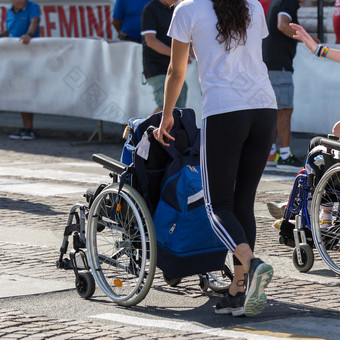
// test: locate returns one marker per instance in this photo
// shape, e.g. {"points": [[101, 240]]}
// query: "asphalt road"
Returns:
{"points": [[39, 182]]}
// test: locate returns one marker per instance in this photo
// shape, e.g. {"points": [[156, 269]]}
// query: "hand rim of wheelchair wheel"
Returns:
{"points": [[139, 210], [321, 236]]}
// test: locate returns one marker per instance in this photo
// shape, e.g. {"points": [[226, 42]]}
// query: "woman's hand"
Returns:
{"points": [[303, 36], [336, 129], [162, 134]]}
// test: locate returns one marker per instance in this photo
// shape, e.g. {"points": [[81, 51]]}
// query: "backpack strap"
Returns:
{"points": [[188, 120]]}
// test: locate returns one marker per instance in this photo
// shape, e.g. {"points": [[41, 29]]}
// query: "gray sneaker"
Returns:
{"points": [[17, 135], [258, 278], [28, 134], [231, 305]]}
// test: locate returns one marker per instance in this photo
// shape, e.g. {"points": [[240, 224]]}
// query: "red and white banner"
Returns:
{"points": [[70, 19], [88, 78]]}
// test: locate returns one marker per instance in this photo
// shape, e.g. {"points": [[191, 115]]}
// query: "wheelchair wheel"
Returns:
{"points": [[85, 285], [219, 281], [327, 239], [121, 244], [307, 257]]}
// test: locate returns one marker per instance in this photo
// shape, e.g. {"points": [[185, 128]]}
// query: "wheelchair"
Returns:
{"points": [[301, 226], [114, 243]]}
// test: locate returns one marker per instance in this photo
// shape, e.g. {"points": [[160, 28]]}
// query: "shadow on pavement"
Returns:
{"points": [[55, 148], [28, 207]]}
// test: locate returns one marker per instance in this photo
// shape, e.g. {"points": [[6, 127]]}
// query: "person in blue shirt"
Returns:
{"points": [[126, 19], [22, 21]]}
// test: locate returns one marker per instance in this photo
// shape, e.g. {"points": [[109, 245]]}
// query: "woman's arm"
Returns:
{"points": [[303, 36], [173, 84]]}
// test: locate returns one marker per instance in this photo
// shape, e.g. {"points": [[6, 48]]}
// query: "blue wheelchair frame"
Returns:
{"points": [[300, 235]]}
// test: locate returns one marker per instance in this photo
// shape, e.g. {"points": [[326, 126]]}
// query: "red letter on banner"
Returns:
{"points": [[49, 25], [93, 22], [82, 21], [108, 22], [3, 18], [68, 26]]}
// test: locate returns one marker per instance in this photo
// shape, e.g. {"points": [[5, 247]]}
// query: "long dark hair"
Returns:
{"points": [[233, 19]]}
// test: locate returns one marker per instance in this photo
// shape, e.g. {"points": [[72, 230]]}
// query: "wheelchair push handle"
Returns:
{"points": [[109, 163], [331, 143]]}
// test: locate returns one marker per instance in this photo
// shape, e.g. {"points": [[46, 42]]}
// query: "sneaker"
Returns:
{"points": [[231, 305], [28, 134], [291, 163], [272, 159], [17, 135], [258, 278], [276, 210]]}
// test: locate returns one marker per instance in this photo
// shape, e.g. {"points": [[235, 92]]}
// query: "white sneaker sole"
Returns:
{"points": [[233, 311], [256, 298]]}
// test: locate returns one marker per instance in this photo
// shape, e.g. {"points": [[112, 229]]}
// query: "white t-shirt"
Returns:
{"points": [[230, 81]]}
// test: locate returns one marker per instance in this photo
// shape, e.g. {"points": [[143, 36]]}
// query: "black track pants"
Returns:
{"points": [[234, 151]]}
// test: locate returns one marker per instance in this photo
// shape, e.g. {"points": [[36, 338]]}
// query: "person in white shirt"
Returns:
{"points": [[238, 125]]}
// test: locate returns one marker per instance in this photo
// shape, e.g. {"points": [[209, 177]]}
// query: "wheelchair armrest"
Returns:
{"points": [[109, 163], [330, 144]]}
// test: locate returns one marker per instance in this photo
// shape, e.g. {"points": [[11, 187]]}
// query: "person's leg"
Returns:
{"points": [[220, 176], [254, 152], [283, 126], [219, 172], [27, 120], [157, 83]]}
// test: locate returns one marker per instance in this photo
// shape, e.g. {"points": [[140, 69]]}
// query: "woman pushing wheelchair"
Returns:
{"points": [[238, 111]]}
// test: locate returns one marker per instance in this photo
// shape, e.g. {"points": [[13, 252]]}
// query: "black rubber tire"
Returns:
{"points": [[307, 258], [204, 282], [85, 285]]}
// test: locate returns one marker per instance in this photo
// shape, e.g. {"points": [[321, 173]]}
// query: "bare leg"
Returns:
{"points": [[27, 119], [283, 126], [244, 255]]}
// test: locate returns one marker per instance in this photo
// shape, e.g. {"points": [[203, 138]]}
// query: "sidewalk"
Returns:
{"points": [[66, 127], [40, 180], [81, 129]]}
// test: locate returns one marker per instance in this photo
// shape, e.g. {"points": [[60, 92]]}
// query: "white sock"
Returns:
{"points": [[285, 152], [325, 215], [273, 149]]}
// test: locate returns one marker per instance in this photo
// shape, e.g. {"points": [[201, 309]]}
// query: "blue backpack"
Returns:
{"points": [[170, 182]]}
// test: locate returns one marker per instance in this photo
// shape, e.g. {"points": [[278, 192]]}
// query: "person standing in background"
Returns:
{"points": [[22, 21], [126, 19], [156, 18], [279, 50]]}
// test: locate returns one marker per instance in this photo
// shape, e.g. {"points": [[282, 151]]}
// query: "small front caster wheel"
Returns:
{"points": [[172, 282], [307, 257], [85, 285], [204, 282]]}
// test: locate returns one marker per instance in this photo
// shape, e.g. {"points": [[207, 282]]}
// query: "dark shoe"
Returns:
{"points": [[277, 210], [17, 135], [258, 278], [291, 163], [231, 305], [28, 134]]}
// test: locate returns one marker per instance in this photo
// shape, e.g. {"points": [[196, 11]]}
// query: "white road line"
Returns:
{"points": [[273, 178], [180, 326]]}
